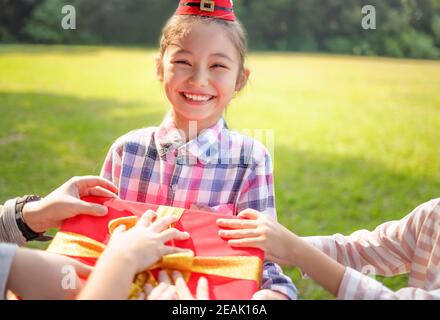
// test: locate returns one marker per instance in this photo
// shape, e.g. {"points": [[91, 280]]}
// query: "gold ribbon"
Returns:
{"points": [[236, 267], [74, 244]]}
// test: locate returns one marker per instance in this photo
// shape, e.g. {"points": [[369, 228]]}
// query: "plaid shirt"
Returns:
{"points": [[220, 170]]}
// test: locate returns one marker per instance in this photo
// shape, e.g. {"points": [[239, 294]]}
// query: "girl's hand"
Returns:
{"points": [[256, 230], [65, 202], [162, 291], [37, 274], [144, 244], [282, 247], [130, 252], [183, 293]]}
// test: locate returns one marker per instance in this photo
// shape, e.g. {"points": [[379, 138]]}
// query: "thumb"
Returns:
{"points": [[93, 209]]}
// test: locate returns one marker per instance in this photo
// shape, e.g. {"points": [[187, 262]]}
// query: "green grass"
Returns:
{"points": [[357, 140]]}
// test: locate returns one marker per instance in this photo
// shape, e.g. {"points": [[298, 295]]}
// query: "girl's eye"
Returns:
{"points": [[182, 62], [217, 65]]}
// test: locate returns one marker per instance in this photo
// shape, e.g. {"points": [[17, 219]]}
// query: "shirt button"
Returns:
{"points": [[173, 187]]}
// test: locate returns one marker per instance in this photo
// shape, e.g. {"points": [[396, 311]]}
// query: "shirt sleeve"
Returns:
{"points": [[258, 189], [9, 231], [7, 253], [258, 194], [387, 250], [275, 280], [356, 286], [390, 248], [111, 169]]}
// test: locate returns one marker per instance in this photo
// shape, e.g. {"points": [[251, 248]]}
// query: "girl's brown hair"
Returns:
{"points": [[178, 26]]}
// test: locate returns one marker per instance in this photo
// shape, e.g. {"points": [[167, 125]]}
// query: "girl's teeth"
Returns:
{"points": [[197, 97]]}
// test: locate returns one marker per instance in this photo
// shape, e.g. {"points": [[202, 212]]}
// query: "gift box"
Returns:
{"points": [[232, 273]]}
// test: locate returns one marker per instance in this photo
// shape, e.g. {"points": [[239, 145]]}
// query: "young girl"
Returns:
{"points": [[411, 245], [192, 159]]}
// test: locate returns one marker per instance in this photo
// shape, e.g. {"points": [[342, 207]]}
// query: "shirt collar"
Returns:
{"points": [[167, 136], [205, 147]]}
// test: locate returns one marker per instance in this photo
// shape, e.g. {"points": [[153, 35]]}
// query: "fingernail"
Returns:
{"points": [[203, 279]]}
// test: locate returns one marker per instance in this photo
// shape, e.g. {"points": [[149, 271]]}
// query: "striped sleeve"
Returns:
{"points": [[410, 245], [385, 251], [9, 231], [356, 286], [389, 249]]}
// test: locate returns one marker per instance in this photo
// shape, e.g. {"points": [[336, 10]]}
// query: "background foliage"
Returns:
{"points": [[405, 28]]}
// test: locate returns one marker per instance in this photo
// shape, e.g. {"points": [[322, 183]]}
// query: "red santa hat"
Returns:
{"points": [[220, 9]]}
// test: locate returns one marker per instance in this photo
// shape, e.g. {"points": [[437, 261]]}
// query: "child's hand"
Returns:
{"points": [[65, 202], [183, 293], [130, 252], [179, 291], [144, 244], [259, 231], [37, 274], [163, 291]]}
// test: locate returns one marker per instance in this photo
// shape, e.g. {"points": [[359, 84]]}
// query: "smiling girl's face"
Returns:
{"points": [[200, 74]]}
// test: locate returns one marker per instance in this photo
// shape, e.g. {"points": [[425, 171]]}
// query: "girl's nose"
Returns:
{"points": [[199, 78]]}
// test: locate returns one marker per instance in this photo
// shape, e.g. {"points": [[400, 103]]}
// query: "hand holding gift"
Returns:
{"points": [[130, 252], [175, 289], [65, 202], [256, 230]]}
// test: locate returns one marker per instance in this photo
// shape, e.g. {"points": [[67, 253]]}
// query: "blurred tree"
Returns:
{"points": [[45, 24], [405, 28], [13, 17]]}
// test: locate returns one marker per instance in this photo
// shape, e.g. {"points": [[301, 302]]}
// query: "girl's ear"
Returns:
{"points": [[159, 68], [241, 82]]}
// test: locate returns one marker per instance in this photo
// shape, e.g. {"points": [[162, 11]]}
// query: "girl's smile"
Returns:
{"points": [[197, 99]]}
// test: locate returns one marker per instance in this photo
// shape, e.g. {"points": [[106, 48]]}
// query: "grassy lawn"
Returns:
{"points": [[357, 140]]}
